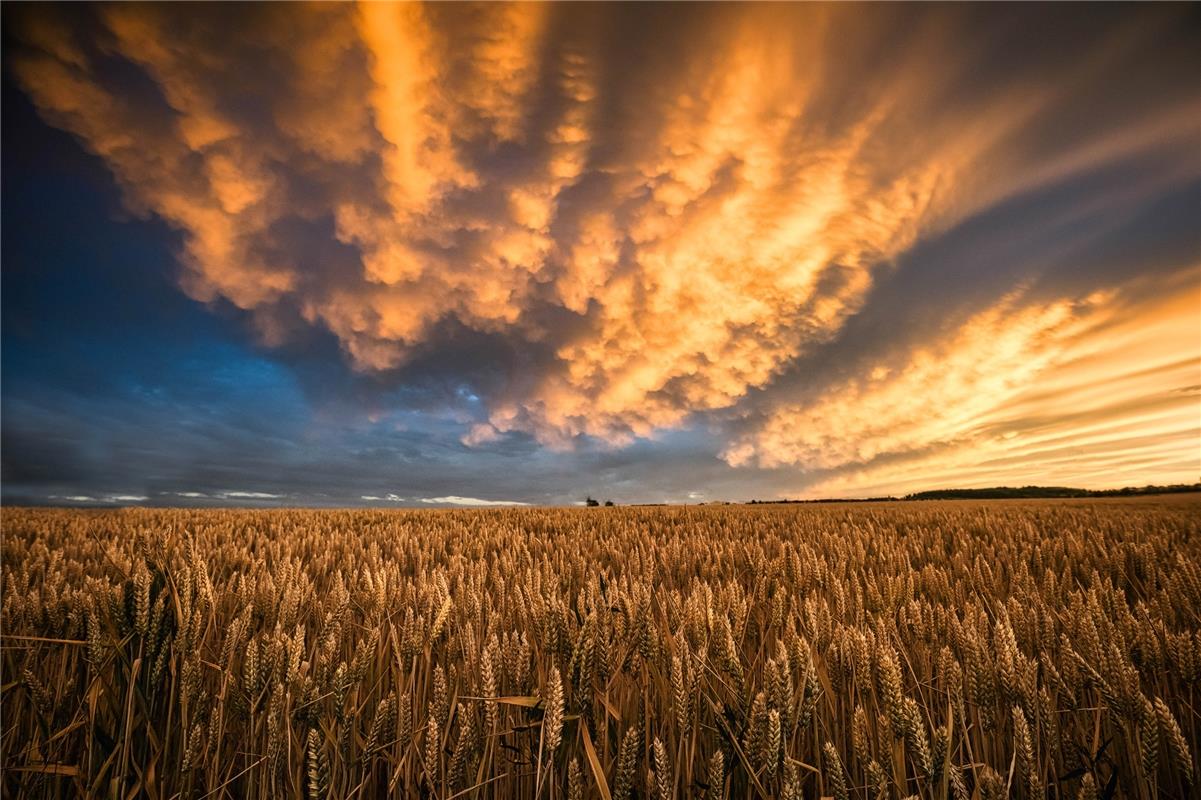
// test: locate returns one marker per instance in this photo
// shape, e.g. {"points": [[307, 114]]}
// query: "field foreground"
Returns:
{"points": [[1021, 649]]}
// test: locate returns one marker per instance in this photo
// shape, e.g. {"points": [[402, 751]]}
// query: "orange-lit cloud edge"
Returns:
{"points": [[702, 231]]}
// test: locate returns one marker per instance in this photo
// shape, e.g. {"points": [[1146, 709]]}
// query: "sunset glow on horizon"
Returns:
{"points": [[396, 254]]}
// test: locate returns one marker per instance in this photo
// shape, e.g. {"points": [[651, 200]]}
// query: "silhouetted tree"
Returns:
{"points": [[590, 502], [608, 503]]}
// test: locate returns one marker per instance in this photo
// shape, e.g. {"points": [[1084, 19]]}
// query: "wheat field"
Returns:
{"points": [[928, 650]]}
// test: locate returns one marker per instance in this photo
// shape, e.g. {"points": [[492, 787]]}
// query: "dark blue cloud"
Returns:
{"points": [[118, 385]]}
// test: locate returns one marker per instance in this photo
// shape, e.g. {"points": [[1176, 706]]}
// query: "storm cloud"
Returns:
{"points": [[788, 249]]}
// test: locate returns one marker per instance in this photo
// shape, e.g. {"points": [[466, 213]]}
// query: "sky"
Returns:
{"points": [[404, 255]]}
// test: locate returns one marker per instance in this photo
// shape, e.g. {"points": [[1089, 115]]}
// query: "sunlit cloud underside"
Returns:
{"points": [[666, 233]]}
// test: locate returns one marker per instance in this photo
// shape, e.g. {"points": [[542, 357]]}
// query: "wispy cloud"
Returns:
{"points": [[1071, 392], [389, 498], [106, 499], [455, 500]]}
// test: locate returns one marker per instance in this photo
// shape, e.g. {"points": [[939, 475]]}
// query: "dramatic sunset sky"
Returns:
{"points": [[405, 255]]}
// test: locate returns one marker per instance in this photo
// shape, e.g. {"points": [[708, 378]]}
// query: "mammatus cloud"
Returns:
{"points": [[660, 221]]}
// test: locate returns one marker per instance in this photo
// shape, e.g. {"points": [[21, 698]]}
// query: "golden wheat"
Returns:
{"points": [[932, 650]]}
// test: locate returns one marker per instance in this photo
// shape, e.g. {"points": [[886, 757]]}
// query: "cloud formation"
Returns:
{"points": [[455, 500], [660, 215], [1060, 393], [110, 499]]}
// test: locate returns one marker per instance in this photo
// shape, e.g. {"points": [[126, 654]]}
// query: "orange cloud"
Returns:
{"points": [[1078, 393], [671, 236]]}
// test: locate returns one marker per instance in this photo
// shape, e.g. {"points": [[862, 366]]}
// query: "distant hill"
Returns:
{"points": [[1010, 492]]}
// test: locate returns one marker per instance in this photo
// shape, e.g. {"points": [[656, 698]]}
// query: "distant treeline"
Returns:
{"points": [[1002, 492], [1008, 492]]}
